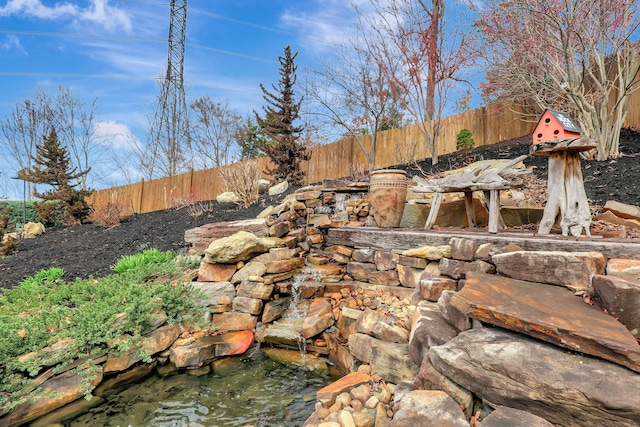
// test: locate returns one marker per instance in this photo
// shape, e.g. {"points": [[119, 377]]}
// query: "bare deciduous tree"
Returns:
{"points": [[570, 55], [420, 56], [32, 119], [354, 94], [215, 133]]}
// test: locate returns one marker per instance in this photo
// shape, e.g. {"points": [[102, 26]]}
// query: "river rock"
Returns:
{"points": [[201, 237], [555, 315], [621, 299], [504, 368], [237, 247], [428, 328], [509, 417], [428, 408], [571, 269], [328, 394]]}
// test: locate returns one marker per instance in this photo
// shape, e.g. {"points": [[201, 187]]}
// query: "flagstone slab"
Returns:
{"points": [[571, 269], [550, 313], [565, 388]]}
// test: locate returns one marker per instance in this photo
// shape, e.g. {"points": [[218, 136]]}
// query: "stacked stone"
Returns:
{"points": [[408, 328]]}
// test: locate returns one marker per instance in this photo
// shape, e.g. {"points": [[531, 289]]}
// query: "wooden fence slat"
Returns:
{"points": [[488, 124]]}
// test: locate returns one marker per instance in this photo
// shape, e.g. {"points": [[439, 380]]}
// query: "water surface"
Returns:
{"points": [[253, 390]]}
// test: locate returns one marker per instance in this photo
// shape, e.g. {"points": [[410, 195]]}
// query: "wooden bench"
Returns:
{"points": [[483, 178]]}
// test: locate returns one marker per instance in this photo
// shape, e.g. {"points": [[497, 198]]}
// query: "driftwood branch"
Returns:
{"points": [[482, 178]]}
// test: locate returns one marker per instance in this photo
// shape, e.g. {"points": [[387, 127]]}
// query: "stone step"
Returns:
{"points": [[550, 313], [564, 388]]}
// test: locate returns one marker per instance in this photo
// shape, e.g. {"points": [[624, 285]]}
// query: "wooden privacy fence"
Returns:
{"points": [[489, 125]]}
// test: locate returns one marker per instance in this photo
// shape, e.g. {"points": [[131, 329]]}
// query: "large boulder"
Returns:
{"points": [[238, 247], [566, 389], [201, 237]]}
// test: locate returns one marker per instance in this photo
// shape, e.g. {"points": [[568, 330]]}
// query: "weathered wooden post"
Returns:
{"points": [[558, 137]]}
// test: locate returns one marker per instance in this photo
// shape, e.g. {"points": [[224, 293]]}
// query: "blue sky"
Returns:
{"points": [[115, 49]]}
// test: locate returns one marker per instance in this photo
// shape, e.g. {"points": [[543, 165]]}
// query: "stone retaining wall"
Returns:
{"points": [[461, 332]]}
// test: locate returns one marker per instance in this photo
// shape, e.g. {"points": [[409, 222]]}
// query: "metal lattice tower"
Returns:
{"points": [[170, 138]]}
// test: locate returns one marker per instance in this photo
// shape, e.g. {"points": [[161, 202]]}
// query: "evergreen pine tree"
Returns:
{"points": [[252, 140], [283, 145], [52, 166]]}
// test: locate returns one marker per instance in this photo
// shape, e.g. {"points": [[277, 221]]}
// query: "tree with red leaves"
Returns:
{"points": [[420, 57], [570, 55]]}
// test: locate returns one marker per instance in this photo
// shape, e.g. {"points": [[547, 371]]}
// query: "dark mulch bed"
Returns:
{"points": [[89, 250]]}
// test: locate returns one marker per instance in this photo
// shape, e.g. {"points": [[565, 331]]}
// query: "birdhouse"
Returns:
{"points": [[554, 126]]}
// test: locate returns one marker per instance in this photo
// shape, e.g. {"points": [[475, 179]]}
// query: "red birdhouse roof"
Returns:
{"points": [[554, 125]]}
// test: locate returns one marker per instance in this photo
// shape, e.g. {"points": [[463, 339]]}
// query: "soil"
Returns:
{"points": [[89, 250]]}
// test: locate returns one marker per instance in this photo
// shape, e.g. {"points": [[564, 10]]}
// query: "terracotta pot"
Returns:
{"points": [[388, 195]]}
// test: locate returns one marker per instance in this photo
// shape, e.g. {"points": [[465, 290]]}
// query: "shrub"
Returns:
{"points": [[93, 315], [242, 179], [464, 139], [108, 215]]}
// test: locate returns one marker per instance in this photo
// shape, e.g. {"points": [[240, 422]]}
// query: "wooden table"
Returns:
{"points": [[565, 188], [482, 178], [491, 194]]}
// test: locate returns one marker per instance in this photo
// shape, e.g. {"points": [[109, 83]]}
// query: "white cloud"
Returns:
{"points": [[97, 13], [35, 9], [115, 135], [323, 25], [109, 17], [12, 42]]}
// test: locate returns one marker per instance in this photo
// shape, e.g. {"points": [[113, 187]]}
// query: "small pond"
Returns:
{"points": [[252, 390]]}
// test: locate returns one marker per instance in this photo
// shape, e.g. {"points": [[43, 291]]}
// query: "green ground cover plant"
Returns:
{"points": [[91, 317], [147, 257]]}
